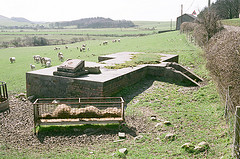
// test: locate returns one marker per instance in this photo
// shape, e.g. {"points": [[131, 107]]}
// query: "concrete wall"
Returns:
{"points": [[115, 85], [55, 86], [65, 87], [43, 84]]}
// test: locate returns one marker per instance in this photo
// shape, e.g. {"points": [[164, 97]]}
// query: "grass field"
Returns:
{"points": [[142, 28], [14, 74], [232, 22], [196, 113]]}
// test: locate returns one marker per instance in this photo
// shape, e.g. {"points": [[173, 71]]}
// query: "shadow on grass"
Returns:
{"points": [[83, 130], [130, 92]]}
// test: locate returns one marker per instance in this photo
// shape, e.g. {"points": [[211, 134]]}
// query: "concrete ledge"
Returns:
{"points": [[42, 83]]}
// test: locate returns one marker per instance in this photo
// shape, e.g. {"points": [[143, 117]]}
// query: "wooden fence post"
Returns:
{"points": [[236, 133]]}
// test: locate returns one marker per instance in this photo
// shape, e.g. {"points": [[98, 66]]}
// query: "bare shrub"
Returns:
{"points": [[187, 27], [200, 35], [211, 24], [223, 61]]}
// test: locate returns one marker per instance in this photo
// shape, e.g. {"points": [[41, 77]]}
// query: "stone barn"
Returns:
{"points": [[184, 18]]}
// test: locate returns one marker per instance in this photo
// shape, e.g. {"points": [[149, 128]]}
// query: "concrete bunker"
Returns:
{"points": [[89, 79]]}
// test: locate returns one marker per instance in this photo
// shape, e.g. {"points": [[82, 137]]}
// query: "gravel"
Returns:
{"points": [[16, 131]]}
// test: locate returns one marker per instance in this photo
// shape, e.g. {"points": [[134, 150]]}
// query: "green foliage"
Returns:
{"points": [[139, 59]]}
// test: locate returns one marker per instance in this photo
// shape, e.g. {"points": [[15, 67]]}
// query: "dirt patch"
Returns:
{"points": [[16, 130]]}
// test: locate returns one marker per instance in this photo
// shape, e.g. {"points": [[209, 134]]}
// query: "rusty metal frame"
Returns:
{"points": [[82, 100], [4, 103]]}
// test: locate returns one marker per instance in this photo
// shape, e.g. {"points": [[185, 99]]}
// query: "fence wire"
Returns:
{"points": [[232, 117]]}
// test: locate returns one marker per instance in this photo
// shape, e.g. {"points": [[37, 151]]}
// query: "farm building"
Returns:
{"points": [[184, 18]]}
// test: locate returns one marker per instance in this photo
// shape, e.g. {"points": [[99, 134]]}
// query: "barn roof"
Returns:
{"points": [[190, 15]]}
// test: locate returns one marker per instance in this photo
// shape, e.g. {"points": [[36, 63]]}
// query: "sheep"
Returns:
{"points": [[36, 58], [57, 48], [44, 61], [84, 45], [80, 50], [105, 42], [48, 64], [66, 47], [59, 54], [83, 49], [60, 57], [12, 59], [32, 67], [119, 40]]}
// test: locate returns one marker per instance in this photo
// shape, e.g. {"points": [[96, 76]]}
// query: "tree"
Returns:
{"points": [[226, 9], [210, 23]]}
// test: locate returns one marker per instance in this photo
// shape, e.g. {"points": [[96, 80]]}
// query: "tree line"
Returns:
{"points": [[96, 22], [225, 9]]}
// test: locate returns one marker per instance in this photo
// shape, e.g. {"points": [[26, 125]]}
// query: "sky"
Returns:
{"points": [[65, 10]]}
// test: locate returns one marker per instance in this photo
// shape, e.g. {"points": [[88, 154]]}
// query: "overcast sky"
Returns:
{"points": [[63, 10]]}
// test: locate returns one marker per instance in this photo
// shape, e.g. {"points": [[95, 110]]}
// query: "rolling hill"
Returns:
{"points": [[5, 21]]}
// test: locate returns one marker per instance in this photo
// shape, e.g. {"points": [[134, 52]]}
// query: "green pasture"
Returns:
{"points": [[232, 22], [14, 74], [104, 31], [196, 113], [167, 25]]}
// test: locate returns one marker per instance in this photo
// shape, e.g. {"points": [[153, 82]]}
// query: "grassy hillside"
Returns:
{"points": [[4, 21], [161, 25], [231, 22], [14, 74], [196, 114]]}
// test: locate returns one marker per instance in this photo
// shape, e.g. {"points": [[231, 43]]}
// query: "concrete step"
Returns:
{"points": [[187, 73]]}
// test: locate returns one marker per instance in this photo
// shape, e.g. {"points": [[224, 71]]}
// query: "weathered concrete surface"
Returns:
{"points": [[42, 83]]}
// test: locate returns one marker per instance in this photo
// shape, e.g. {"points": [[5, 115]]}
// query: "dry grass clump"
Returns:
{"points": [[187, 27], [87, 112], [65, 111], [62, 111], [111, 112], [205, 27], [200, 35], [223, 61]]}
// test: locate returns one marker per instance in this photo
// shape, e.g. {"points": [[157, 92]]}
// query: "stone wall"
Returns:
{"points": [[115, 85], [61, 87]]}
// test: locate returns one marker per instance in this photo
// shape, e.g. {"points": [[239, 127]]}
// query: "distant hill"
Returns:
{"points": [[20, 19], [97, 22], [5, 21], [3, 18]]}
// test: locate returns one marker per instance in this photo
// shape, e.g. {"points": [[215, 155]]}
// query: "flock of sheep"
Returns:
{"points": [[45, 61]]}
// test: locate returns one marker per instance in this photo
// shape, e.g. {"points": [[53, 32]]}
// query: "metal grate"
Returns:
{"points": [[91, 107], [3, 91]]}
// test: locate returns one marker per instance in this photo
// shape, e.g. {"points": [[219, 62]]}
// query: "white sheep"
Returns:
{"points": [[57, 48], [36, 58], [12, 59], [32, 67], [105, 42], [44, 60], [60, 57], [48, 64]]}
